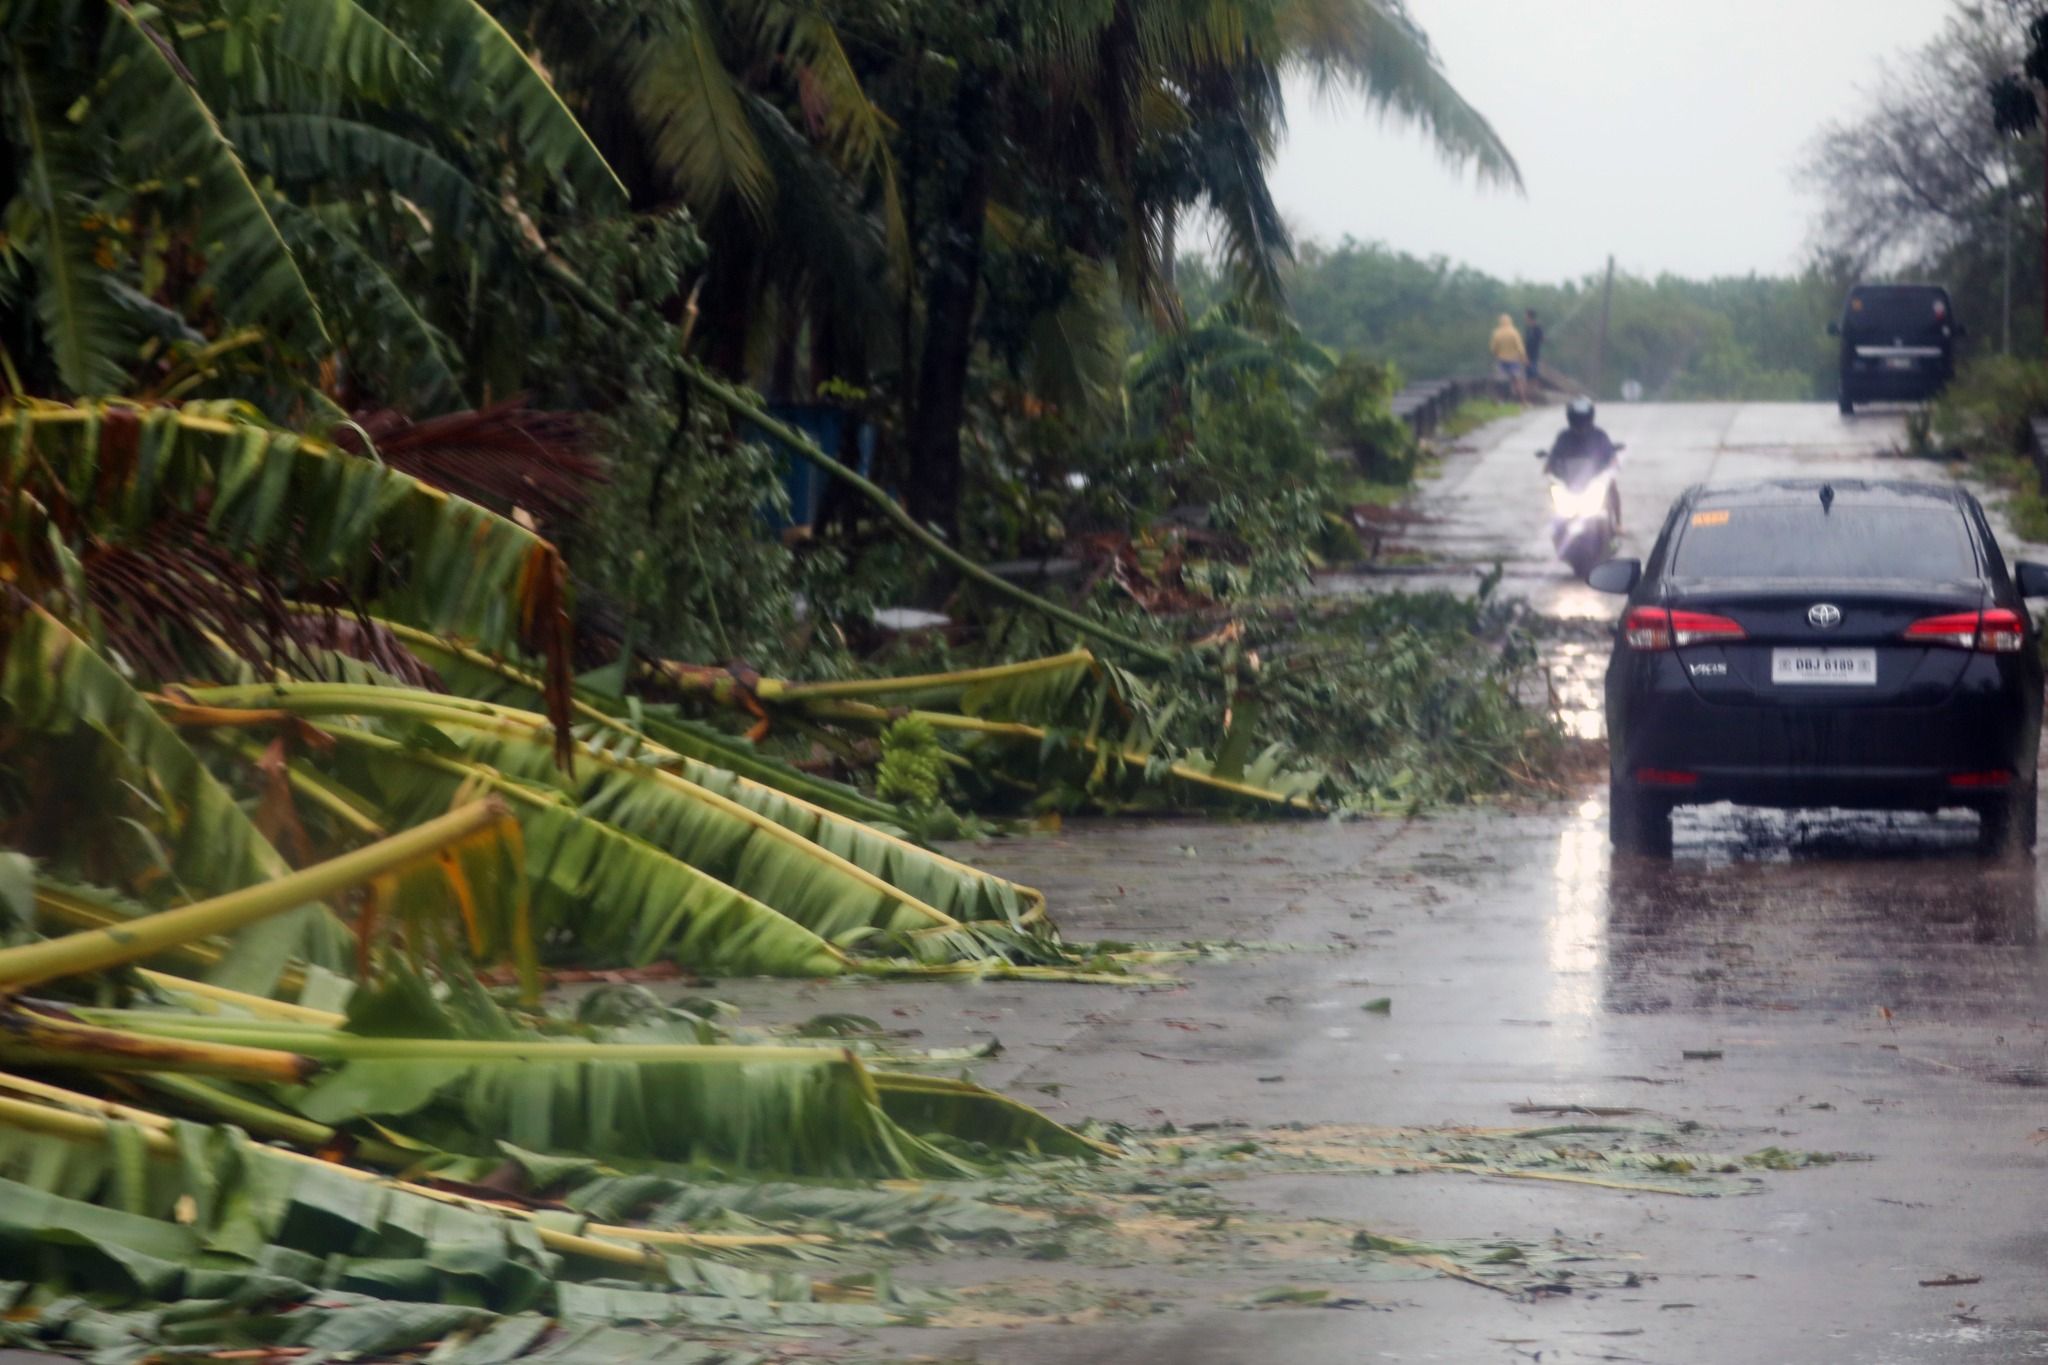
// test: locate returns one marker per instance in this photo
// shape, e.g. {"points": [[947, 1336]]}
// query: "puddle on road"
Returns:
{"points": [[1967, 1341], [1575, 673], [1805, 910]]}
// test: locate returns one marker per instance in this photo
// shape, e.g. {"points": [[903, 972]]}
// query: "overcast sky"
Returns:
{"points": [[1665, 132]]}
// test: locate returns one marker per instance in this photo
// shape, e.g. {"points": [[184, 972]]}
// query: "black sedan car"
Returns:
{"points": [[1802, 644]]}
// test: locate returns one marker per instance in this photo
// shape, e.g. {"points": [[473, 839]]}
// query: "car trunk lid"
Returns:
{"points": [[1825, 644]]}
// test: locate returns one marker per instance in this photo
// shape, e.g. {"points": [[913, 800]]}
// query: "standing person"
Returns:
{"points": [[1532, 337], [1509, 354]]}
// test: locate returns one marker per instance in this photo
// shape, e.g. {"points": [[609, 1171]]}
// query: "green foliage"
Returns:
{"points": [[1985, 416], [1985, 412], [1353, 408], [178, 829], [1411, 699], [306, 169], [1391, 702], [1921, 181], [1255, 460], [676, 540], [1473, 414], [1753, 337]]}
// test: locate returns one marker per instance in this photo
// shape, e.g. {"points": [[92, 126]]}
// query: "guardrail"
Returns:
{"points": [[1424, 406]]}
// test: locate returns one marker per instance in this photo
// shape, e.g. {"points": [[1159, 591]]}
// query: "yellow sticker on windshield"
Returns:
{"points": [[1717, 518]]}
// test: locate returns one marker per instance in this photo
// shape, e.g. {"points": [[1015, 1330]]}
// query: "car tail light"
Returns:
{"points": [[1666, 777], [1997, 631], [2001, 632], [1996, 777], [1655, 628], [1940, 310]]}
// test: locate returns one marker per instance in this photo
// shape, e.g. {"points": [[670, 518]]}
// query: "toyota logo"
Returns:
{"points": [[1824, 615]]}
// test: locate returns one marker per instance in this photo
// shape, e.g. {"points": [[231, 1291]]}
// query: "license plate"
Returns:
{"points": [[1834, 667], [1898, 362]]}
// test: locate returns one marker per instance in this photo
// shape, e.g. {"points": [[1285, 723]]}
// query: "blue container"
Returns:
{"points": [[839, 434]]}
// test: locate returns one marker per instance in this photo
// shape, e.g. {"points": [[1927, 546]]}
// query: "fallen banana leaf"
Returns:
{"points": [[277, 496], [602, 895], [802, 1110], [733, 858], [62, 908], [1038, 739], [98, 949], [729, 827], [992, 704], [56, 684], [81, 1118], [473, 674]]}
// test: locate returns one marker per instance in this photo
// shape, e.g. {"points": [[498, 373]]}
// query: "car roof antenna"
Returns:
{"points": [[1827, 497]]}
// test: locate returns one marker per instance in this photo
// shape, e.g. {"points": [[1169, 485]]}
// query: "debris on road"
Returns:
{"points": [[1951, 1281]]}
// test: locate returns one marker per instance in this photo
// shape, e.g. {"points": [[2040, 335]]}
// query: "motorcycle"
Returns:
{"points": [[1584, 520]]}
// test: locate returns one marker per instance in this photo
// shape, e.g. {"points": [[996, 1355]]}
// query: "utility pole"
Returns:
{"points": [[1600, 346], [2019, 108], [2010, 196]]}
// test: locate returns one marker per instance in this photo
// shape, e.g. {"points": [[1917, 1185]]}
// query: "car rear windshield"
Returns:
{"points": [[1901, 309], [1928, 543]]}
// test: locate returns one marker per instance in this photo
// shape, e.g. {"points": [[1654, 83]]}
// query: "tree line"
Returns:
{"points": [[1929, 179], [1754, 337]]}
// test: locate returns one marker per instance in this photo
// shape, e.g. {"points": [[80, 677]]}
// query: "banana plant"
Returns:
{"points": [[639, 853], [109, 495], [174, 1201]]}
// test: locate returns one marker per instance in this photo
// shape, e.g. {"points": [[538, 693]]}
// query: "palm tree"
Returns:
{"points": [[752, 116], [204, 192], [1153, 109]]}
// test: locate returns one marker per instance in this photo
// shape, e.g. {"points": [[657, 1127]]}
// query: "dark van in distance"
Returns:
{"points": [[1898, 343]]}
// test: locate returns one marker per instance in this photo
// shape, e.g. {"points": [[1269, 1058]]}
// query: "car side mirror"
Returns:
{"points": [[1621, 575], [1957, 329], [2033, 578], [1834, 329]]}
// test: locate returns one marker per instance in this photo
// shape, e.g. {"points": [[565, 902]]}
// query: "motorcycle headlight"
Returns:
{"points": [[1583, 502]]}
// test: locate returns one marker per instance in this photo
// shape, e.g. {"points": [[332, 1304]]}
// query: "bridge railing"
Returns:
{"points": [[1424, 406]]}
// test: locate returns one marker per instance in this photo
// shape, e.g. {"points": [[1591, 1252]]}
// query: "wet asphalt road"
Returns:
{"points": [[1868, 985]]}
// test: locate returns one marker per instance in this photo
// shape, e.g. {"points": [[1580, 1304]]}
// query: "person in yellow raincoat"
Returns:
{"points": [[1510, 355]]}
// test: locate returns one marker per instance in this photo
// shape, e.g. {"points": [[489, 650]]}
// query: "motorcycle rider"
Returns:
{"points": [[1582, 452]]}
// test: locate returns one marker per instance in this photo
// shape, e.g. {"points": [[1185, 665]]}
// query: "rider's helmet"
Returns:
{"points": [[1578, 414]]}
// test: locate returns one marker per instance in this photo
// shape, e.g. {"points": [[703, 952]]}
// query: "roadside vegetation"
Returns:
{"points": [[1924, 182], [1940, 178], [1986, 418], [1757, 338], [405, 604]]}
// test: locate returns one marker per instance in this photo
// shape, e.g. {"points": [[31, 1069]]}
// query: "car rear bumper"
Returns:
{"points": [[1874, 385], [1917, 789], [1974, 749]]}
